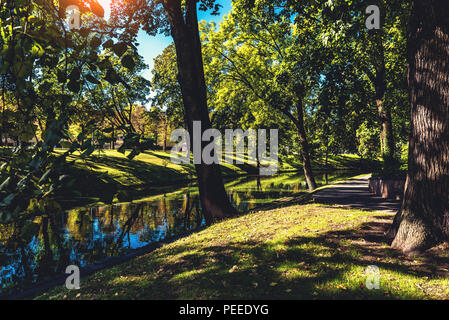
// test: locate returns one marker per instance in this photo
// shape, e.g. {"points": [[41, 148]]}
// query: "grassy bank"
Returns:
{"points": [[156, 167], [151, 167], [306, 251], [109, 176]]}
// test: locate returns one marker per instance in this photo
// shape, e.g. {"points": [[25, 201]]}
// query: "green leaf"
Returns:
{"points": [[74, 86], [7, 201], [108, 44], [4, 67], [64, 177], [5, 184], [30, 229], [128, 62], [66, 144], [37, 50], [120, 48], [22, 184], [45, 176], [75, 74], [95, 42]]}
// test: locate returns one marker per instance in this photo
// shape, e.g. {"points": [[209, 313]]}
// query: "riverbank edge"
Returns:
{"points": [[40, 288]]}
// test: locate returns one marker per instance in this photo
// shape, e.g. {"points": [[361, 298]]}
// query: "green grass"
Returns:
{"points": [[149, 167], [306, 251], [155, 167], [109, 176]]}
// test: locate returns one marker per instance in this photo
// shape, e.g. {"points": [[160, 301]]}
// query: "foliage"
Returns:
{"points": [[368, 141], [166, 88], [45, 70]]}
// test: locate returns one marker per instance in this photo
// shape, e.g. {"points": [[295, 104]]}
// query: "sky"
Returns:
{"points": [[150, 47]]}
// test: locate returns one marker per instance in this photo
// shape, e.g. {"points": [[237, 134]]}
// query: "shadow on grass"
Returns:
{"points": [[343, 161], [247, 168], [144, 171]]}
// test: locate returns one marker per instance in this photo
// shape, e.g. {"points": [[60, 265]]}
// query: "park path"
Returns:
{"points": [[354, 193]]}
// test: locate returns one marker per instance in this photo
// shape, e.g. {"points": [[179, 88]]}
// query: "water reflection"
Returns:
{"points": [[37, 250]]}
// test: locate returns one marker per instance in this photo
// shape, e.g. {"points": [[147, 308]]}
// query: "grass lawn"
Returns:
{"points": [[155, 167], [307, 251], [108, 176], [151, 167]]}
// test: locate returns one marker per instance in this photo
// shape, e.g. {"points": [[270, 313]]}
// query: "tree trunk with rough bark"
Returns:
{"points": [[387, 144], [215, 203], [423, 221], [305, 150]]}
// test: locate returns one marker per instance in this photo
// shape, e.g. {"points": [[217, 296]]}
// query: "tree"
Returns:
{"points": [[44, 70], [377, 55], [423, 221], [165, 87], [115, 103], [140, 121], [340, 110], [179, 18], [271, 61], [161, 121]]}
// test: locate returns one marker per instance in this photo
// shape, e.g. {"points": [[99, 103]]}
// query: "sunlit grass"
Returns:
{"points": [[298, 252], [147, 167]]}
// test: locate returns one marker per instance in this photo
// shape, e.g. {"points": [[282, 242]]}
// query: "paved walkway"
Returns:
{"points": [[355, 194]]}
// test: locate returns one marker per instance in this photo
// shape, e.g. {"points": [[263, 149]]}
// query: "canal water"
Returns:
{"points": [[44, 247]]}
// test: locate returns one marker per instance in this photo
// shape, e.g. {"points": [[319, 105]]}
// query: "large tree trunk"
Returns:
{"points": [[424, 218], [184, 29], [305, 150]]}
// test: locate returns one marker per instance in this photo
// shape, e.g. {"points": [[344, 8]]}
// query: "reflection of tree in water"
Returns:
{"points": [[79, 224], [14, 257], [107, 219], [126, 229], [84, 236], [182, 218], [33, 257], [45, 259]]}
